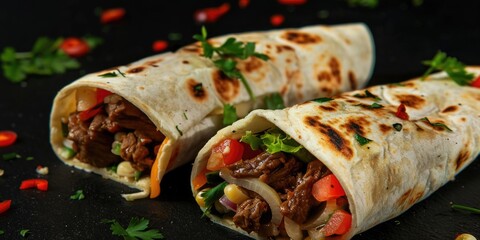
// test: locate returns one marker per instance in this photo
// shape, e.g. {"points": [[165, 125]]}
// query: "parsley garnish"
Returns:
{"points": [[322, 100], [227, 53], [1, 232], [112, 74], [185, 115], [137, 229], [137, 175], [367, 94], [10, 156], [425, 119], [363, 3], [454, 68], [24, 232], [213, 195], [229, 114], [78, 195], [213, 177], [274, 101], [252, 139], [29, 158], [398, 127], [466, 208], [361, 139], [375, 105], [113, 168], [179, 131]]}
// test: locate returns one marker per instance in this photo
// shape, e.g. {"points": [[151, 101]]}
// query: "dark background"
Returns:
{"points": [[404, 36]]}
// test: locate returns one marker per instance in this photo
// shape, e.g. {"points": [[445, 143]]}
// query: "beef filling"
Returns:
{"points": [[93, 138], [251, 214]]}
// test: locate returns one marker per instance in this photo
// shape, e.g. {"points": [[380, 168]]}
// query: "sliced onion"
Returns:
{"points": [[86, 99], [317, 234], [68, 143], [322, 218], [265, 191], [293, 229], [228, 204]]}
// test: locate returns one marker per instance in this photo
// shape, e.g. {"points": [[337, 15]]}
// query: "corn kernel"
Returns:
{"points": [[465, 236], [201, 200], [235, 194]]}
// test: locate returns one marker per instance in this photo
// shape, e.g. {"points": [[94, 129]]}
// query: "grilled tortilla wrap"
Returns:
{"points": [[406, 159], [156, 113]]}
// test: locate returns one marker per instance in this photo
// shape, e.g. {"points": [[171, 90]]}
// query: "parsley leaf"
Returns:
{"points": [[227, 52], [24, 232], [78, 195], [10, 156], [363, 3], [1, 232], [375, 105], [212, 195], [322, 100], [368, 94], [112, 74], [437, 124], [137, 229], [229, 114], [398, 126], [361, 139], [454, 68], [274, 101], [466, 208]]}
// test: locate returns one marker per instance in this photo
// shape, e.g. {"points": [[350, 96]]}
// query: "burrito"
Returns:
{"points": [[332, 168], [134, 123]]}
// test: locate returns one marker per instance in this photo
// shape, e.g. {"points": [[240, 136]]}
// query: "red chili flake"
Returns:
{"points": [[292, 2], [210, 15], [402, 112], [75, 47], [38, 183], [243, 3], [112, 15], [159, 45], [7, 138], [5, 205], [277, 19], [476, 82]]}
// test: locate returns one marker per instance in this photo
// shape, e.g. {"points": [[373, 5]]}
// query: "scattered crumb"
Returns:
{"points": [[42, 170], [1, 172]]}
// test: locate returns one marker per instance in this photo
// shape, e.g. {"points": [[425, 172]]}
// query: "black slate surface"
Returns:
{"points": [[404, 36]]}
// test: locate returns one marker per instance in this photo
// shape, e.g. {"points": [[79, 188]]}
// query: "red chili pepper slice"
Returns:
{"points": [[159, 45], [402, 112], [5, 205], [210, 15], [339, 223], [90, 113], [476, 82], [277, 20], [292, 2], [75, 47], [7, 138], [101, 94], [38, 183], [112, 15], [243, 3]]}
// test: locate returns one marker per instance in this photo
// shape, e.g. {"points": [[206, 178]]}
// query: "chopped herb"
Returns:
{"points": [[137, 229], [29, 158], [322, 100], [466, 208], [112, 74], [454, 68], [78, 195], [174, 36], [24, 232], [138, 174], [398, 127], [1, 232], [229, 114], [112, 168], [10, 156], [361, 139], [213, 177], [252, 139], [274, 101], [367, 94], [179, 131], [375, 105], [229, 50], [198, 88], [93, 41], [363, 3], [213, 195], [438, 124], [185, 116], [117, 148]]}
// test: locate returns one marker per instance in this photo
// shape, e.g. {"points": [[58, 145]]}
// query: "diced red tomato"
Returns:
{"points": [[277, 20], [210, 15], [292, 2], [327, 188], [75, 47], [227, 152], [200, 180], [5, 205], [159, 45], [215, 162], [101, 94], [38, 183], [476, 82], [248, 152], [90, 113], [112, 15], [243, 3], [7, 138], [402, 112], [339, 223]]}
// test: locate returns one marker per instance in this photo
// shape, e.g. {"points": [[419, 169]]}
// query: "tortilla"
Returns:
{"points": [[183, 93], [405, 161]]}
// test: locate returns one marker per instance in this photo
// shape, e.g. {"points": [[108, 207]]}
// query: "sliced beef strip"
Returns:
{"points": [[251, 214], [300, 201], [135, 149], [91, 142]]}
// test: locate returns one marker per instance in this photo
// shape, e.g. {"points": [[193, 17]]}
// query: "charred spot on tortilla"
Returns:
{"points": [[415, 197], [335, 138], [153, 63], [185, 62], [226, 87], [324, 76], [136, 70], [196, 90], [449, 109], [385, 128], [402, 201], [281, 48], [331, 107], [301, 37], [462, 158], [327, 90], [251, 65], [141, 88], [192, 49], [352, 79], [335, 69], [356, 125], [412, 101]]}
